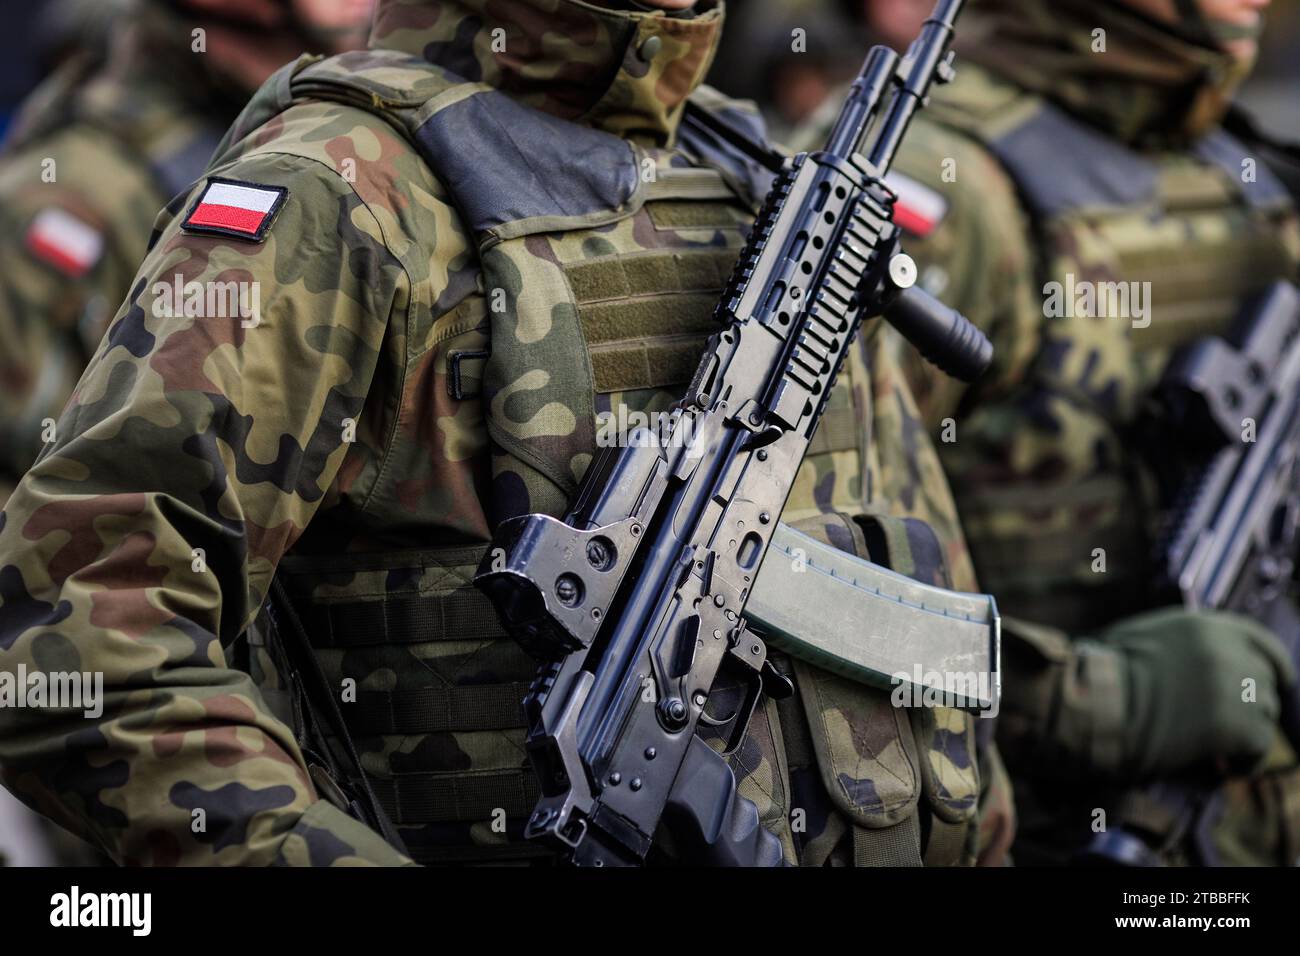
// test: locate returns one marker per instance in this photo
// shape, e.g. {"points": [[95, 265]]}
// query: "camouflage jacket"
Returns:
{"points": [[94, 155], [424, 357]]}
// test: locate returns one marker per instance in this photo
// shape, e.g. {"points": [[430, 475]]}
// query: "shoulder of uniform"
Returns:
{"points": [[63, 196], [981, 102], [328, 147], [243, 198], [330, 178], [945, 177]]}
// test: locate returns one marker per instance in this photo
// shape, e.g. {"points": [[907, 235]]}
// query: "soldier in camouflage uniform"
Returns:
{"points": [[464, 250], [93, 156], [1081, 143]]}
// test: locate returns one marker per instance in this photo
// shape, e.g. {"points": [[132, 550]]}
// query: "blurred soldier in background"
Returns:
{"points": [[796, 57], [892, 22], [68, 29], [98, 150], [1081, 144]]}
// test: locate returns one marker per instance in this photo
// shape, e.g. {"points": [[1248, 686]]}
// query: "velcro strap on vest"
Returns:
{"points": [[429, 710], [464, 615], [899, 845], [947, 844], [619, 298], [837, 431]]}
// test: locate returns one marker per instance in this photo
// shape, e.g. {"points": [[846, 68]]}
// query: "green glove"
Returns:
{"points": [[1202, 692]]}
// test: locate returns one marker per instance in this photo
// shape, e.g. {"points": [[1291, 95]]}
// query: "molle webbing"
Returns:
{"points": [[430, 710], [1194, 233], [461, 615], [419, 799], [442, 797], [619, 297]]}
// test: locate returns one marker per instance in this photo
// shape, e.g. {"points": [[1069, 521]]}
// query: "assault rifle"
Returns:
{"points": [[1231, 538], [637, 598]]}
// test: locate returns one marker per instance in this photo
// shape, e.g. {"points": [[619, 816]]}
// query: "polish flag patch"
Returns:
{"points": [[235, 210], [71, 245], [919, 210]]}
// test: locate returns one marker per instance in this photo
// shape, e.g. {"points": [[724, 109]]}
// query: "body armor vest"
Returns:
{"points": [[1139, 253], [623, 253]]}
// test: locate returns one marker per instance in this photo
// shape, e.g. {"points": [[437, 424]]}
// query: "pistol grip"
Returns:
{"points": [[711, 823]]}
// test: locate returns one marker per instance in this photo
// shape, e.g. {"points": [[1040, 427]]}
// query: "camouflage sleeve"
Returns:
{"points": [[193, 453], [976, 259], [75, 217]]}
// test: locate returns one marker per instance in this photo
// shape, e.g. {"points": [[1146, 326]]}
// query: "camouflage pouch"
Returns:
{"points": [[874, 760]]}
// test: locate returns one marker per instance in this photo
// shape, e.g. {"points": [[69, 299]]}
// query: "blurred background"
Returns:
{"points": [[756, 61]]}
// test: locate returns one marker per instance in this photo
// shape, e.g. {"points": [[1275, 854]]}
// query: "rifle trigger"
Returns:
{"points": [[753, 693], [775, 684]]}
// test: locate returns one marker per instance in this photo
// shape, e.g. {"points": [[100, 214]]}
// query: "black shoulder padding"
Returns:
{"points": [[1228, 153], [707, 147], [1059, 164], [504, 162]]}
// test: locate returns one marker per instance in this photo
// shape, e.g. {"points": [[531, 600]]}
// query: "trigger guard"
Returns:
{"points": [[744, 713]]}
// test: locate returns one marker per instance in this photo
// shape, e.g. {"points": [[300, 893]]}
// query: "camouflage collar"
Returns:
{"points": [[623, 71], [1149, 84]]}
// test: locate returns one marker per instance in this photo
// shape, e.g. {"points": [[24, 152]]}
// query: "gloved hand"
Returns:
{"points": [[1202, 692], [1157, 695]]}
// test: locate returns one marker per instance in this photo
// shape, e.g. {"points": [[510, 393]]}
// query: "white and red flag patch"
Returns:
{"points": [[234, 209], [919, 210], [59, 238]]}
